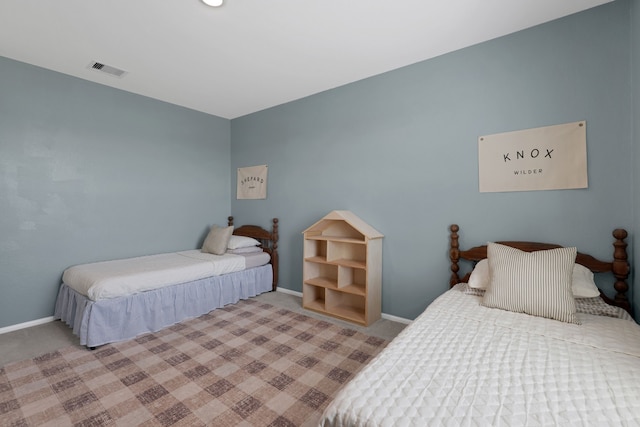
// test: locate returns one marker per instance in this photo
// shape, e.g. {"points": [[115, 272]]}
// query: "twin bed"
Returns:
{"points": [[490, 352], [525, 338], [118, 300]]}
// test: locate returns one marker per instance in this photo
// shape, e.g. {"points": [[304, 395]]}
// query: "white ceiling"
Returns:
{"points": [[249, 55]]}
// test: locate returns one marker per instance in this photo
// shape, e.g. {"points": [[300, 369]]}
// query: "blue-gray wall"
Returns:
{"points": [[92, 173], [635, 80], [400, 151]]}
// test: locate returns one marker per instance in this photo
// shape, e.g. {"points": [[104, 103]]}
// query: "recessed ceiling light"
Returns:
{"points": [[214, 3]]}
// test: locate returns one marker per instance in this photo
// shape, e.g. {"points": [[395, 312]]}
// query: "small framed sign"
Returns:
{"points": [[545, 158], [252, 182]]}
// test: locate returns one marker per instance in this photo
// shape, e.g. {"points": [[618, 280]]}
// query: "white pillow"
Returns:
{"points": [[582, 283], [249, 250], [480, 275], [537, 283], [236, 242]]}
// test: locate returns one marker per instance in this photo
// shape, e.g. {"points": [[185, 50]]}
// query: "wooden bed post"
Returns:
{"points": [[274, 252], [268, 239], [454, 255], [620, 268]]}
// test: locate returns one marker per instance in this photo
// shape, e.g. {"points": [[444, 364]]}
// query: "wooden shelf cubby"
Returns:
{"points": [[342, 271]]}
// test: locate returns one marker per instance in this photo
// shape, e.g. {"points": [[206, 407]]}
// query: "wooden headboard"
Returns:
{"points": [[268, 240], [619, 267]]}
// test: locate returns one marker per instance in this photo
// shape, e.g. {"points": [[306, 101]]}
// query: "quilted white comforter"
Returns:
{"points": [[110, 279], [462, 364]]}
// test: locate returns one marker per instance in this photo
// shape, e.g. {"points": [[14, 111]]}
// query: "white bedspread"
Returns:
{"points": [[110, 279], [462, 364]]}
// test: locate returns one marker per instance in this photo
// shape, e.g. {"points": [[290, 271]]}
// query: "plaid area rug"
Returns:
{"points": [[248, 364]]}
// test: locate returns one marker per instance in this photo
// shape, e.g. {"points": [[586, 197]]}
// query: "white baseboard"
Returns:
{"points": [[384, 316], [290, 292], [396, 318], [29, 324]]}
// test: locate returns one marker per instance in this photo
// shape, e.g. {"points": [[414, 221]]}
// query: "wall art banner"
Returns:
{"points": [[546, 158], [252, 182]]}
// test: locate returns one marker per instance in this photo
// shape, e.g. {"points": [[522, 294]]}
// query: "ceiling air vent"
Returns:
{"points": [[107, 69]]}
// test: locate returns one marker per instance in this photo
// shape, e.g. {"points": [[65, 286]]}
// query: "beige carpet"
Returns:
{"points": [[248, 364]]}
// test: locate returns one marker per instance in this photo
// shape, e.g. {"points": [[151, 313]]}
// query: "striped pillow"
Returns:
{"points": [[536, 283]]}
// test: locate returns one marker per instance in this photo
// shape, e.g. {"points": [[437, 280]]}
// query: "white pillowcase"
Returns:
{"points": [[236, 242], [249, 250], [480, 275], [582, 283]]}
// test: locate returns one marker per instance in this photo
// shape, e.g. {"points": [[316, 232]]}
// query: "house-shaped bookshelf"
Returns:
{"points": [[342, 271]]}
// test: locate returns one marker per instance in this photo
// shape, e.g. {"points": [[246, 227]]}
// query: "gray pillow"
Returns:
{"points": [[536, 283], [217, 240]]}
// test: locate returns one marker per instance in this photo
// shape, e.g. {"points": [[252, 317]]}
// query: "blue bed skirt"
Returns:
{"points": [[118, 319]]}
